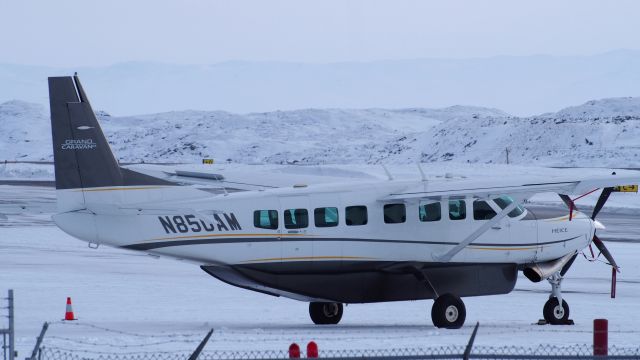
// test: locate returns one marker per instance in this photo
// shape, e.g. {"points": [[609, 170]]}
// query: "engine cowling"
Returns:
{"points": [[539, 271]]}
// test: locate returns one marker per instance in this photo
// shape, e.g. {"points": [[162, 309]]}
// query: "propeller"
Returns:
{"points": [[614, 266], [604, 196]]}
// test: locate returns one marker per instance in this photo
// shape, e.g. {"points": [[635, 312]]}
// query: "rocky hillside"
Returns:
{"points": [[597, 133]]}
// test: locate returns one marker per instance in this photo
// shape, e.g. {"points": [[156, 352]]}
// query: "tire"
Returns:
{"points": [[554, 314], [325, 313], [448, 312]]}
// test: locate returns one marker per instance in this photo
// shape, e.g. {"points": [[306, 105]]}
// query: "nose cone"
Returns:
{"points": [[598, 225]]}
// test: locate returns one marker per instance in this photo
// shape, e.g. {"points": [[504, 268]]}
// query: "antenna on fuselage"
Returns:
{"points": [[387, 172]]}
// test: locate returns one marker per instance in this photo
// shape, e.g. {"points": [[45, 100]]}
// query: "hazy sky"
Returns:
{"points": [[88, 32]]}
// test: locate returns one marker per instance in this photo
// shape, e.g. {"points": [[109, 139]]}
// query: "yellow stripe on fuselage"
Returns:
{"points": [[312, 258]]}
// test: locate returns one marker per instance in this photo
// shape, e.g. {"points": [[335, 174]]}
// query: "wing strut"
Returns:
{"points": [[474, 235]]}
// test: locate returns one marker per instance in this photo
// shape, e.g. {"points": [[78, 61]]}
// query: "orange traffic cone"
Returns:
{"points": [[69, 313]]}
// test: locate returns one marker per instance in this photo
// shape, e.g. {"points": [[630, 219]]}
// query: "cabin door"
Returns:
{"points": [[296, 220]]}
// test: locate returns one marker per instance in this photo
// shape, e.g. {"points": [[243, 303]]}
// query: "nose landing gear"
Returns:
{"points": [[556, 310]]}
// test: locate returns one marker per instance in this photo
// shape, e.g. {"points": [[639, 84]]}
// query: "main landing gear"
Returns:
{"points": [[325, 313], [448, 312], [556, 310]]}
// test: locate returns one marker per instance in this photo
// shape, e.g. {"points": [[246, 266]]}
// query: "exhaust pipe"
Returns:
{"points": [[540, 271]]}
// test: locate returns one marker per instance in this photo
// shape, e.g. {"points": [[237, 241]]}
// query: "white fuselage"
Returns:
{"points": [[219, 229]]}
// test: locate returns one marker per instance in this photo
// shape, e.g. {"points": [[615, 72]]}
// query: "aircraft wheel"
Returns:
{"points": [[324, 313], [448, 311], [555, 314]]}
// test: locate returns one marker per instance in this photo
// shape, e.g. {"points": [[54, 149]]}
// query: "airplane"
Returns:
{"points": [[329, 244]]}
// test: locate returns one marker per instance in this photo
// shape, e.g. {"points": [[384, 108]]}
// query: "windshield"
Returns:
{"points": [[504, 201]]}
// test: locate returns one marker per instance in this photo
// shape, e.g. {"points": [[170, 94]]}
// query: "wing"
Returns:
{"points": [[517, 189], [235, 177]]}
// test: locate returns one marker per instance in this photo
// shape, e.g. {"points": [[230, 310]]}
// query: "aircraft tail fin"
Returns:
{"points": [[81, 153], [82, 156]]}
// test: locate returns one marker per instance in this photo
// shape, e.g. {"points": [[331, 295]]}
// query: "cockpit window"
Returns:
{"points": [[504, 201]]}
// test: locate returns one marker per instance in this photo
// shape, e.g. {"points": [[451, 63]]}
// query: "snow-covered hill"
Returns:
{"points": [[25, 131], [597, 133], [303, 136]]}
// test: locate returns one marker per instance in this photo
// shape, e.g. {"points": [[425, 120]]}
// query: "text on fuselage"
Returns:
{"points": [[559, 230], [191, 223]]}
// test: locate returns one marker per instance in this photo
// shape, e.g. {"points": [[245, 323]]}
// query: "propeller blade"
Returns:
{"points": [[604, 196], [567, 200], [614, 267], [570, 204], [613, 283], [566, 266], [605, 252]]}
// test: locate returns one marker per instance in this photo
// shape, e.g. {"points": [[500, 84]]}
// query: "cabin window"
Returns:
{"points": [[395, 213], [430, 212], [296, 218], [356, 215], [504, 201], [265, 219], [326, 217], [482, 210], [457, 209]]}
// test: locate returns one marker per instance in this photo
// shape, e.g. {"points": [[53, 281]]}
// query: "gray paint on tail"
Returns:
{"points": [[82, 156]]}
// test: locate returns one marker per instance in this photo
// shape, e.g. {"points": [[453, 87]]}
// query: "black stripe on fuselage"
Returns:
{"points": [[163, 244]]}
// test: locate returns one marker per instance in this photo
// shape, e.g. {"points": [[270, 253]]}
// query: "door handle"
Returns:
{"points": [[496, 227]]}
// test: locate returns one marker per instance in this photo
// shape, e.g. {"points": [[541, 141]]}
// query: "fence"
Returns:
{"points": [[443, 353], [8, 338], [98, 350]]}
